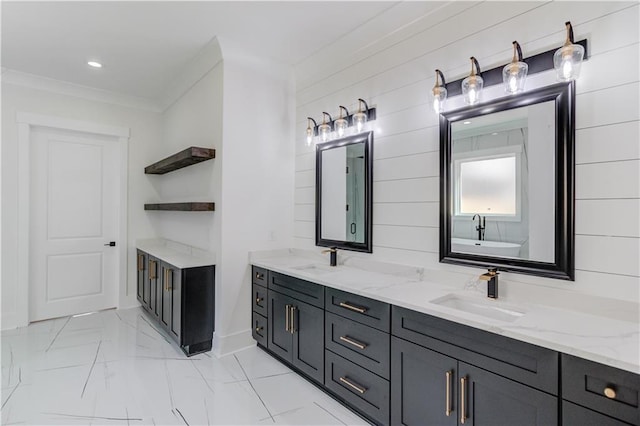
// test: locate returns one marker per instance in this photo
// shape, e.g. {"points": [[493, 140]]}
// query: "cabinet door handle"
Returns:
{"points": [[610, 392], [353, 308], [152, 270], [352, 385], [353, 342], [168, 275], [140, 263], [463, 397], [258, 328], [293, 319], [258, 298], [447, 397], [286, 321], [259, 275]]}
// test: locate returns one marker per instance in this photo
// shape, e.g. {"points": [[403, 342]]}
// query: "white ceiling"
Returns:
{"points": [[145, 45]]}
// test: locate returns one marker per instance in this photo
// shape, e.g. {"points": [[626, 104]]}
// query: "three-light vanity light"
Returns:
{"points": [[340, 126], [566, 61]]}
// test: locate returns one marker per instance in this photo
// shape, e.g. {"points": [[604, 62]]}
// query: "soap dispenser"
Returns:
{"points": [[491, 276]]}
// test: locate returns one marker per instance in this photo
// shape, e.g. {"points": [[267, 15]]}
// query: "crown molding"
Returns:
{"points": [[32, 81]]}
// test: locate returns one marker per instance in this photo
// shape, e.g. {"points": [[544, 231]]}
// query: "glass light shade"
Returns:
{"points": [[514, 76], [325, 132], [567, 61], [472, 89], [341, 126], [359, 118], [309, 136], [439, 95]]}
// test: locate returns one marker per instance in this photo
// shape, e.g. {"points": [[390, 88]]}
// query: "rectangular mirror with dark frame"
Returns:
{"points": [[344, 188], [507, 183]]}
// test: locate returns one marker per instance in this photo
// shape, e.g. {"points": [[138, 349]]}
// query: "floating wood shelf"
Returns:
{"points": [[182, 159], [182, 207]]}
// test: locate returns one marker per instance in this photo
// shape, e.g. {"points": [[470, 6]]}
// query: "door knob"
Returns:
{"points": [[111, 244]]}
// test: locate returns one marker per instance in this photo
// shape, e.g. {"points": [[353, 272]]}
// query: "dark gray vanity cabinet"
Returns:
{"points": [[181, 300], [259, 301], [595, 391], [296, 328], [468, 376]]}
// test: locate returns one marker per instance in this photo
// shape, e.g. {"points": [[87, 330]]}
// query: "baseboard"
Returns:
{"points": [[225, 345], [9, 321]]}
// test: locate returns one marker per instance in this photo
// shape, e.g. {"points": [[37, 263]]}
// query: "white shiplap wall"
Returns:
{"points": [[390, 61]]}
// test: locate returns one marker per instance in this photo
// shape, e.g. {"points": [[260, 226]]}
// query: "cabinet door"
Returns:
{"points": [[280, 338], [165, 299], [174, 289], [486, 399], [423, 386], [142, 275], [151, 283], [308, 339]]}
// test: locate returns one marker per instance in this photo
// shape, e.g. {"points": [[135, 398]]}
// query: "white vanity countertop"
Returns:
{"points": [[611, 340], [178, 254]]}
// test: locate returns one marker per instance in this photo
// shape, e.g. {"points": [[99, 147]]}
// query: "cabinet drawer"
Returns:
{"points": [[302, 290], [362, 309], [259, 299], [359, 343], [259, 276], [360, 388], [575, 415], [519, 361], [259, 329], [602, 388]]}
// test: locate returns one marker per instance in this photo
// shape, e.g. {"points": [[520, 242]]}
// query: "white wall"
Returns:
{"points": [[145, 135], [395, 73], [243, 107]]}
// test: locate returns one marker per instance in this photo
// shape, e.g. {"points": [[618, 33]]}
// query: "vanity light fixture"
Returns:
{"points": [[568, 58], [439, 93], [515, 73], [311, 131], [341, 122], [472, 85], [324, 130], [360, 117]]}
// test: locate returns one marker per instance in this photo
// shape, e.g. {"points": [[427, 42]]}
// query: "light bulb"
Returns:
{"points": [[341, 126], [310, 130], [439, 93], [325, 131], [359, 118], [472, 96], [472, 85], [514, 74], [437, 106], [309, 136], [567, 69]]}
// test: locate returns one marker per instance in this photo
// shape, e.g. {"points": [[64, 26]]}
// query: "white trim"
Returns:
{"points": [[225, 345], [19, 78], [69, 124], [26, 121]]}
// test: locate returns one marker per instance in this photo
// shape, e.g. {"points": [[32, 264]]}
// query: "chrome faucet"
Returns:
{"points": [[482, 223]]}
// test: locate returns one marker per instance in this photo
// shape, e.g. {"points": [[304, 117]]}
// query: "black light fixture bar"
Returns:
{"points": [[371, 115], [537, 63]]}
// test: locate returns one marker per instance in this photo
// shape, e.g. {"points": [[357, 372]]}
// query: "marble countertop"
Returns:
{"points": [[562, 325], [178, 254]]}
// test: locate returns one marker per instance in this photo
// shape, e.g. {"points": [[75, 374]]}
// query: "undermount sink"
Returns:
{"points": [[315, 269], [489, 308]]}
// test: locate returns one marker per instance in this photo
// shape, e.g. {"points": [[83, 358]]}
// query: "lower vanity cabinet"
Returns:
{"points": [[609, 394], [181, 300], [296, 333], [142, 274]]}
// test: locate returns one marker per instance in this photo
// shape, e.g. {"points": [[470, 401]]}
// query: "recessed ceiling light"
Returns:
{"points": [[94, 64], [466, 122]]}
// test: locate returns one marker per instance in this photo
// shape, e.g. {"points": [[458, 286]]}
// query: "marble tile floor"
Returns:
{"points": [[117, 367]]}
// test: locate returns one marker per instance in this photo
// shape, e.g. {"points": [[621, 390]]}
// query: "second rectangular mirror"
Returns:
{"points": [[344, 180]]}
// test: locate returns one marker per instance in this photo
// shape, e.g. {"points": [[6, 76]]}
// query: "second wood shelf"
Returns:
{"points": [[183, 207], [184, 158]]}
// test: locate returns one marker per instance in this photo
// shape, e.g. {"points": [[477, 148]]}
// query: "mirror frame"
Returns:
{"points": [[563, 266], [367, 246]]}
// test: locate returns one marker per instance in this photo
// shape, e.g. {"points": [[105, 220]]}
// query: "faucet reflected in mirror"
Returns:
{"points": [[482, 224]]}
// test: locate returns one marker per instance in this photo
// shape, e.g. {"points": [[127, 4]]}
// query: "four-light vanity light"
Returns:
{"points": [[566, 61], [339, 127]]}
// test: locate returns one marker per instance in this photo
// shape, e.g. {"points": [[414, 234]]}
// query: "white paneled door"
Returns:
{"points": [[74, 197]]}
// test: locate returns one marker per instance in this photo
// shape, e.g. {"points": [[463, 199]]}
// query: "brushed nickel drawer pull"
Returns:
{"points": [[353, 308], [447, 396], [259, 299], [259, 275], [463, 397], [286, 313], [353, 385], [293, 319], [610, 392], [353, 342]]}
